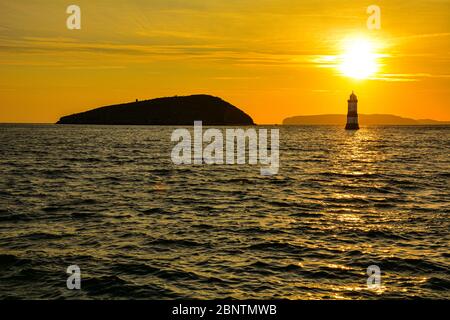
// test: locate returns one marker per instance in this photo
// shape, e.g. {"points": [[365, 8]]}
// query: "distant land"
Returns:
{"points": [[364, 119], [178, 110]]}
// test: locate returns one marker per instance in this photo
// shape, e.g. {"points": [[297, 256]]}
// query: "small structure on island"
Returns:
{"points": [[352, 114]]}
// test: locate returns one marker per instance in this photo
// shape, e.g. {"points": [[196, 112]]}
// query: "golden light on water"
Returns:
{"points": [[359, 60]]}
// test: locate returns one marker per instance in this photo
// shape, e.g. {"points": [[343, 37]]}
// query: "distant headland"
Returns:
{"points": [[178, 110], [364, 119]]}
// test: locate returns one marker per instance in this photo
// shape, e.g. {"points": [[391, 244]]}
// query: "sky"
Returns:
{"points": [[271, 58]]}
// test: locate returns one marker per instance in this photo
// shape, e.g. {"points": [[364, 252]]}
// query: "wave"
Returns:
{"points": [[413, 265], [115, 287], [38, 236], [7, 215], [176, 242], [9, 260], [277, 247], [437, 283]]}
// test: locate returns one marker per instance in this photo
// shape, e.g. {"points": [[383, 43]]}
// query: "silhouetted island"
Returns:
{"points": [[178, 110], [364, 119]]}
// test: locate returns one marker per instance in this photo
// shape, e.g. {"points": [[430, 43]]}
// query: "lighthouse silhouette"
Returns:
{"points": [[352, 114]]}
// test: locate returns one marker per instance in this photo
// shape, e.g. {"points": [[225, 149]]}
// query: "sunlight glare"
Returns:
{"points": [[359, 60]]}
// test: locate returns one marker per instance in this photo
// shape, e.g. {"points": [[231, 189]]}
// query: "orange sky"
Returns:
{"points": [[271, 58]]}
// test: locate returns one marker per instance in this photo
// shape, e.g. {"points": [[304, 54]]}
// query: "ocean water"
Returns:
{"points": [[109, 200]]}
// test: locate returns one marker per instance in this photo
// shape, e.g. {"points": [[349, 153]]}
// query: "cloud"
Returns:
{"points": [[60, 50], [425, 35], [407, 77]]}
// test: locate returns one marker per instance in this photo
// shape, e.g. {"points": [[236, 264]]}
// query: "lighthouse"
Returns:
{"points": [[352, 115]]}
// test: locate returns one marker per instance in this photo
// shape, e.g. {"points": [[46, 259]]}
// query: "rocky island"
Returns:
{"points": [[178, 110]]}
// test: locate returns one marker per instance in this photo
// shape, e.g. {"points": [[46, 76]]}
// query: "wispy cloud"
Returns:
{"points": [[407, 77], [424, 35], [73, 51]]}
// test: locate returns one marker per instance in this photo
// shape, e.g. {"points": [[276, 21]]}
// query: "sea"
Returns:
{"points": [[109, 200]]}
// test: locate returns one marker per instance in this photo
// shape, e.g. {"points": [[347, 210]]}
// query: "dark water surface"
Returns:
{"points": [[109, 200]]}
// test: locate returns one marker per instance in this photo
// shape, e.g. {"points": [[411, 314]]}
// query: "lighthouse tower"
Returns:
{"points": [[352, 115]]}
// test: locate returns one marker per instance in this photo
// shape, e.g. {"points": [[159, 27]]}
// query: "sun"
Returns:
{"points": [[359, 60]]}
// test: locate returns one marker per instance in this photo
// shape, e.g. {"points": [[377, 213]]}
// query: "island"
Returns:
{"points": [[177, 110], [364, 119]]}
